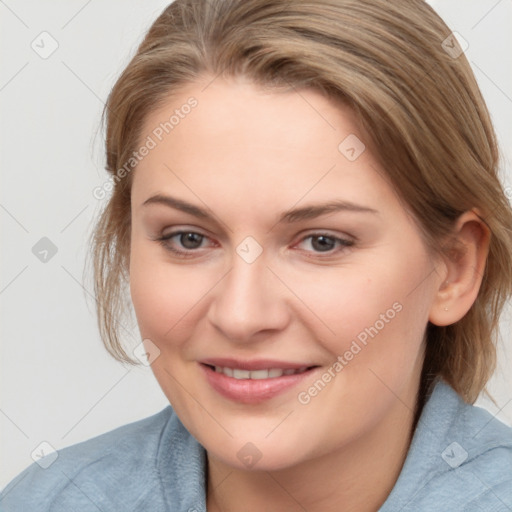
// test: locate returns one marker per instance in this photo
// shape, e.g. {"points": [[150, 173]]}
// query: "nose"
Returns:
{"points": [[249, 302]]}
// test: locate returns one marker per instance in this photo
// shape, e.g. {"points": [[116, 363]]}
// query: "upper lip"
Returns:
{"points": [[254, 364]]}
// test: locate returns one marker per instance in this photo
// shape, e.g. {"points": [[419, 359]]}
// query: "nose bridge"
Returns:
{"points": [[246, 281], [248, 299]]}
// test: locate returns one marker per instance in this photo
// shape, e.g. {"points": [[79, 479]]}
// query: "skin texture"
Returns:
{"points": [[247, 155]]}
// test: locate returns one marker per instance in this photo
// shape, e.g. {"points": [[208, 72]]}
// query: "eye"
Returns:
{"points": [[325, 243], [182, 243]]}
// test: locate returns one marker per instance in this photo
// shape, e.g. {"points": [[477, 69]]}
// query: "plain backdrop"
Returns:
{"points": [[58, 384]]}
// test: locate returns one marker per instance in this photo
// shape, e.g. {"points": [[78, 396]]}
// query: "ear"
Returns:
{"points": [[465, 264]]}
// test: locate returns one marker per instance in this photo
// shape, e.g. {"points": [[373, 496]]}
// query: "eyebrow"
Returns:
{"points": [[294, 215]]}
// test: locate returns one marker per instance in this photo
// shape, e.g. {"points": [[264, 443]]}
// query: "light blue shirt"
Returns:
{"points": [[460, 459]]}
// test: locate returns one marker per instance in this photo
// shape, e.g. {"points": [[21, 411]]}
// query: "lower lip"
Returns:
{"points": [[252, 391]]}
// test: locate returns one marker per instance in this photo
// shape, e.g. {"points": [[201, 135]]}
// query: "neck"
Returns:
{"points": [[358, 477]]}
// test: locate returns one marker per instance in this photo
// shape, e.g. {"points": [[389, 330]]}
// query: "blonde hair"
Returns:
{"points": [[417, 100]]}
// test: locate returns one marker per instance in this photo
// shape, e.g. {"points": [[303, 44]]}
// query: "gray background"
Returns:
{"points": [[58, 384]]}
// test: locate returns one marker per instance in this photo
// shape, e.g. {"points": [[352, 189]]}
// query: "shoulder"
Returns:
{"points": [[120, 465], [460, 459], [478, 459]]}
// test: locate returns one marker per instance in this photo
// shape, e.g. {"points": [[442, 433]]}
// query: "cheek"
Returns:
{"points": [[166, 297], [372, 313], [378, 317]]}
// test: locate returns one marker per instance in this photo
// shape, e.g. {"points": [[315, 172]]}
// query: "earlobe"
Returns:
{"points": [[465, 265]]}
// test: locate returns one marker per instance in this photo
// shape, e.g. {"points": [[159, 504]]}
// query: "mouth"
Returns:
{"points": [[253, 382], [271, 373]]}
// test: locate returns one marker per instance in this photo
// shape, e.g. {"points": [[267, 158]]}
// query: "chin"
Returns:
{"points": [[258, 456]]}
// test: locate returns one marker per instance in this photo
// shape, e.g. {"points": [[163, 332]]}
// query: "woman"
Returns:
{"points": [[307, 214]]}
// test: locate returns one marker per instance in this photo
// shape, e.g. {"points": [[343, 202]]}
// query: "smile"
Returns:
{"points": [[257, 382], [271, 373]]}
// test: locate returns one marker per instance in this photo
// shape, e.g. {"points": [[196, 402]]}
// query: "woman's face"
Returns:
{"points": [[297, 273]]}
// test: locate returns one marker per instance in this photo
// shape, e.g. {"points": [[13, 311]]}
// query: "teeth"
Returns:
{"points": [[271, 373], [259, 374], [241, 374]]}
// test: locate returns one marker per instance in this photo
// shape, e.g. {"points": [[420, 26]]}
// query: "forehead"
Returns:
{"points": [[237, 114], [270, 147]]}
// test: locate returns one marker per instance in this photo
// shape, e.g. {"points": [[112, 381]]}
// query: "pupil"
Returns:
{"points": [[191, 240], [326, 243]]}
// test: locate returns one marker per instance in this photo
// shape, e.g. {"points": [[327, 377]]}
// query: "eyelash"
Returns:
{"points": [[164, 242]]}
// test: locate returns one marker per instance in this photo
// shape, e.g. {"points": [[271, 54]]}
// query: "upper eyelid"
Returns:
{"points": [[179, 230], [310, 232], [172, 234]]}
